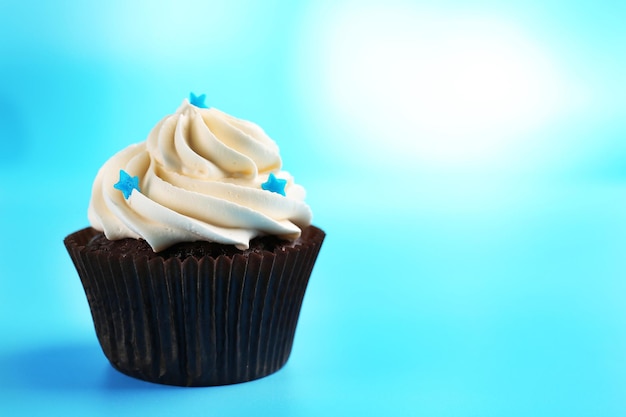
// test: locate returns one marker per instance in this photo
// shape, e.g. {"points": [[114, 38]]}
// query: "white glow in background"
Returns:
{"points": [[441, 90]]}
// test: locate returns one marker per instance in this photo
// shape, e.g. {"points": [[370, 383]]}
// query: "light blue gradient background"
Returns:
{"points": [[477, 271]]}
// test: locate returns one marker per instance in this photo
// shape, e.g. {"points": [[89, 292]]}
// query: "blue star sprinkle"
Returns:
{"points": [[275, 185], [127, 184], [198, 101]]}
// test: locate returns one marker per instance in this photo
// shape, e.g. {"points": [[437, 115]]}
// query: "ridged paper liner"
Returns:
{"points": [[199, 322]]}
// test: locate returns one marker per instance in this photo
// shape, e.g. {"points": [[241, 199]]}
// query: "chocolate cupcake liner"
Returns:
{"points": [[196, 322]]}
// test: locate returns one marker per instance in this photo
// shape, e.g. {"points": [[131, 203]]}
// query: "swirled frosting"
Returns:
{"points": [[200, 175]]}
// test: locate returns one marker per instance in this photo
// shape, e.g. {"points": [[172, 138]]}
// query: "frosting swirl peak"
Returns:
{"points": [[201, 176]]}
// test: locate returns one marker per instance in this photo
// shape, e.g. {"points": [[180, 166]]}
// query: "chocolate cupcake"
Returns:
{"points": [[199, 252]]}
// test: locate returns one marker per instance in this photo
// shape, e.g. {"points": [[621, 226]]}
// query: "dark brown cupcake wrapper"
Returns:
{"points": [[197, 322]]}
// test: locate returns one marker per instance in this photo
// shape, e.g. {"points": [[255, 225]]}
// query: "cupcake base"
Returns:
{"points": [[189, 320]]}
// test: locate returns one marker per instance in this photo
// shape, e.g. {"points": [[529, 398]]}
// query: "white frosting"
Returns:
{"points": [[200, 174]]}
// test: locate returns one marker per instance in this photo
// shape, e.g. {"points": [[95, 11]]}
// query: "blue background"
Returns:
{"points": [[467, 160]]}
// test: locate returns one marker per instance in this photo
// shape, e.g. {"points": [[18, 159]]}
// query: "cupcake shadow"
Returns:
{"points": [[73, 367]]}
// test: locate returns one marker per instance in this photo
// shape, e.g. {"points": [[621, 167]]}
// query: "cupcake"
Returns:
{"points": [[198, 254]]}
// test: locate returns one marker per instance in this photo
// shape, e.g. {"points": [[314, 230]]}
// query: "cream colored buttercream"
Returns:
{"points": [[200, 174]]}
